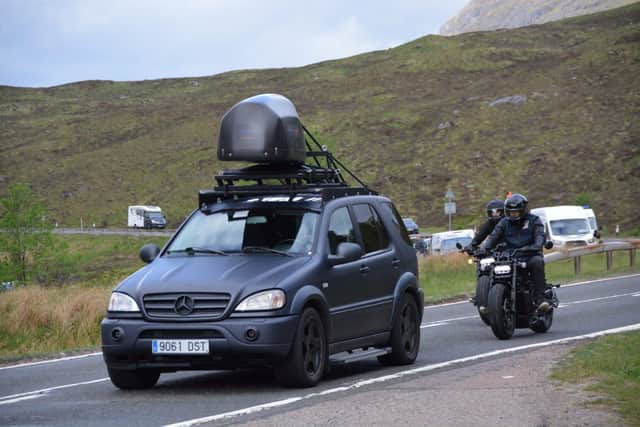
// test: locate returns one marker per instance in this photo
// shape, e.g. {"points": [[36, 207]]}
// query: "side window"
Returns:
{"points": [[340, 229], [374, 236], [397, 221]]}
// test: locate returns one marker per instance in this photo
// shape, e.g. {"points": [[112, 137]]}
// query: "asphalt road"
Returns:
{"points": [[77, 391]]}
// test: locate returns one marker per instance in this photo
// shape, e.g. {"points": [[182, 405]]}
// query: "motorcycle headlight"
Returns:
{"points": [[122, 302], [486, 262], [502, 269], [272, 299]]}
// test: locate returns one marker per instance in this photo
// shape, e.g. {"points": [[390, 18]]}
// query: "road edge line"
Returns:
{"points": [[384, 378]]}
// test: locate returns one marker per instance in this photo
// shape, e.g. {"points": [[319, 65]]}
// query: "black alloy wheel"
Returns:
{"points": [[308, 358], [405, 334], [501, 313], [482, 297]]}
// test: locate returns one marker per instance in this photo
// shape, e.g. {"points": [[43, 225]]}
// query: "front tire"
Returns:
{"points": [[134, 379], [501, 313], [405, 334], [308, 357], [482, 297]]}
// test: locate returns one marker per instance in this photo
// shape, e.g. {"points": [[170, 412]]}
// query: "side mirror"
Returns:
{"points": [[548, 244], [149, 252], [347, 252], [596, 234]]}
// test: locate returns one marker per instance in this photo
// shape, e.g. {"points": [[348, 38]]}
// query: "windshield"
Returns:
{"points": [[566, 227], [449, 245], [274, 230], [154, 215]]}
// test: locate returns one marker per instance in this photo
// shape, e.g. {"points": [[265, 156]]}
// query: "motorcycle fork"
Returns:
{"points": [[514, 280]]}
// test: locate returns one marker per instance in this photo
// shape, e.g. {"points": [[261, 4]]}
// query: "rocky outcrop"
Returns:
{"points": [[486, 15]]}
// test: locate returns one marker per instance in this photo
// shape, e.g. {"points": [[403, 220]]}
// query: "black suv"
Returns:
{"points": [[285, 271]]}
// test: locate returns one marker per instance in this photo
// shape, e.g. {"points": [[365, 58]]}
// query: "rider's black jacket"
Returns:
{"points": [[526, 234], [484, 230]]}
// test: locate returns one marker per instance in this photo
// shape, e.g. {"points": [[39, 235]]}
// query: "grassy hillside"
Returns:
{"points": [[412, 121], [485, 15]]}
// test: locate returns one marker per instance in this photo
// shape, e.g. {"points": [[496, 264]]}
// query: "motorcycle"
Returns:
{"points": [[484, 264], [510, 300]]}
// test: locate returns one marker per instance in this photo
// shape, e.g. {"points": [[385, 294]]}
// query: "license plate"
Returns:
{"points": [[180, 346]]}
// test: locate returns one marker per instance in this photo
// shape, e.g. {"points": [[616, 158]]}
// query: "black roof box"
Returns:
{"points": [[263, 128]]}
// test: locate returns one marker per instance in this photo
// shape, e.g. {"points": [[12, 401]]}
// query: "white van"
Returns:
{"points": [[445, 242], [146, 217], [567, 225]]}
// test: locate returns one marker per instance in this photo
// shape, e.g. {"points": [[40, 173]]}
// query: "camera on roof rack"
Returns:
{"points": [[262, 129]]}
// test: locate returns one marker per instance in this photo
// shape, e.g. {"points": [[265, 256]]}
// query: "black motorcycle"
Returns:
{"points": [[510, 300], [484, 264]]}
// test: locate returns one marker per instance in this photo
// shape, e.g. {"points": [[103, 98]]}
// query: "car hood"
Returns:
{"points": [[235, 274]]}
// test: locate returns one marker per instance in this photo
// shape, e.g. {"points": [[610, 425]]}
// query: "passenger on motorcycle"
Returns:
{"points": [[495, 212], [521, 230]]}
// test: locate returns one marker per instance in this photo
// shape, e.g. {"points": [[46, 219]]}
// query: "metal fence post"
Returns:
{"points": [[576, 265], [609, 260]]}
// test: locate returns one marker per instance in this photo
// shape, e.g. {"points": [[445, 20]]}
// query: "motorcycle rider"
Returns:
{"points": [[495, 212], [524, 231]]}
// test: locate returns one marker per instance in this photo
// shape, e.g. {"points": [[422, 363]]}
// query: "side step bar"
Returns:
{"points": [[355, 355]]}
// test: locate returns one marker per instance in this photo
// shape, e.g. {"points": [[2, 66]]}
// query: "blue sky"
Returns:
{"points": [[47, 43]]}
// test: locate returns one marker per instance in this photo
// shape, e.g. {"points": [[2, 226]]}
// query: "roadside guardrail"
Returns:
{"points": [[630, 245]]}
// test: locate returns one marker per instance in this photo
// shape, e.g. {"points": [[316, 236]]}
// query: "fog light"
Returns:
{"points": [[251, 334], [117, 333]]}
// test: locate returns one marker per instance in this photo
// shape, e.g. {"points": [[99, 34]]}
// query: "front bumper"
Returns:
{"points": [[228, 345]]}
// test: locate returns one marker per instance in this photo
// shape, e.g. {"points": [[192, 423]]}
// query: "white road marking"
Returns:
{"points": [[42, 362], [12, 398], [600, 280], [598, 299], [422, 369]]}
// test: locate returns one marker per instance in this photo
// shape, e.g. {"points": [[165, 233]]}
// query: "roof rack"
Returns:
{"points": [[290, 179]]}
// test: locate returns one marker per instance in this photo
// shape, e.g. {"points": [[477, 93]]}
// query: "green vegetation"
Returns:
{"points": [[609, 366], [26, 242], [412, 121], [451, 277], [36, 319]]}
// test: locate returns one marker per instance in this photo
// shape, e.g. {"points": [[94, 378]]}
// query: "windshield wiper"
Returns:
{"points": [[254, 249], [193, 250]]}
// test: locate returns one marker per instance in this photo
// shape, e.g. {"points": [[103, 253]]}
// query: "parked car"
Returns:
{"points": [[412, 227], [282, 275], [568, 225], [445, 242]]}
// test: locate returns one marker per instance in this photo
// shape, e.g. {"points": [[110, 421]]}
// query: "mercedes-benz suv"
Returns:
{"points": [[285, 275]]}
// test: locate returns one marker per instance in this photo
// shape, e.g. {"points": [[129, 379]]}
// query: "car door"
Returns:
{"points": [[381, 271], [345, 288]]}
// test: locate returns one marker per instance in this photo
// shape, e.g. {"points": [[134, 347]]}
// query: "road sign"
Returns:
{"points": [[450, 208]]}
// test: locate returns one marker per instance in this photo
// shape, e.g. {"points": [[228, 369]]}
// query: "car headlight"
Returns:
{"points": [[502, 269], [122, 302], [272, 299]]}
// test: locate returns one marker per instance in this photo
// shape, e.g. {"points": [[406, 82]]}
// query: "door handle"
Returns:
{"points": [[364, 269], [395, 263]]}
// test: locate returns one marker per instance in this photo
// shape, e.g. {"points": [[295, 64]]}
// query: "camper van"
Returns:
{"points": [[146, 217], [445, 242], [568, 225]]}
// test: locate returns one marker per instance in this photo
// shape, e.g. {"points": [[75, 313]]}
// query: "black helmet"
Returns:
{"points": [[495, 208], [515, 207]]}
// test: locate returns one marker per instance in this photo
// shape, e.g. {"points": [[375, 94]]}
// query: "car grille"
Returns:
{"points": [[204, 305]]}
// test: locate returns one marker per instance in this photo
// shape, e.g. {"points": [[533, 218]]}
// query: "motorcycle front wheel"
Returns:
{"points": [[482, 294], [501, 313]]}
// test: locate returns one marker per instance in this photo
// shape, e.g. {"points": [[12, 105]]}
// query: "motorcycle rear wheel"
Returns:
{"points": [[501, 314]]}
